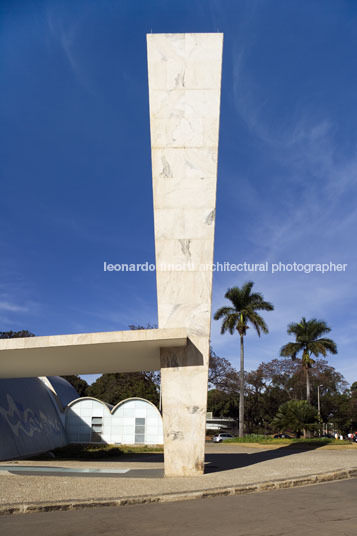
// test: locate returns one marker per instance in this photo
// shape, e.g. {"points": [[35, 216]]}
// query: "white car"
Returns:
{"points": [[221, 437]]}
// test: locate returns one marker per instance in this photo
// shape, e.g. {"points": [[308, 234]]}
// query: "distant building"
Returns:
{"points": [[217, 423], [132, 421], [41, 414]]}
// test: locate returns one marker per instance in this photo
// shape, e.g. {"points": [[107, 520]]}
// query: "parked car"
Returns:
{"points": [[221, 437], [282, 436]]}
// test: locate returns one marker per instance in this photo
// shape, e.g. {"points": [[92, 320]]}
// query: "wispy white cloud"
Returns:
{"points": [[12, 307], [306, 157], [313, 220], [114, 317], [17, 296], [67, 36]]}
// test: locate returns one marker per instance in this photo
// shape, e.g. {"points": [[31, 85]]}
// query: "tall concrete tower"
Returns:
{"points": [[184, 90]]}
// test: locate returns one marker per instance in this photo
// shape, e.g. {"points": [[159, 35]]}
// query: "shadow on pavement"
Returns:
{"points": [[214, 462], [217, 462]]}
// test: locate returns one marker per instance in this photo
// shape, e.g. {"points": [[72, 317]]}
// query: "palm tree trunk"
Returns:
{"points": [[241, 389], [308, 396]]}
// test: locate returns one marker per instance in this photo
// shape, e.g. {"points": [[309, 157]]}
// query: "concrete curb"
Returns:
{"points": [[306, 480]]}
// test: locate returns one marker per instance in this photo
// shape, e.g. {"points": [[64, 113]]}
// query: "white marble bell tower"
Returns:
{"points": [[184, 90]]}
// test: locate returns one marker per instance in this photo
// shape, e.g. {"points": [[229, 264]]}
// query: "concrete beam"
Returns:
{"points": [[87, 353]]}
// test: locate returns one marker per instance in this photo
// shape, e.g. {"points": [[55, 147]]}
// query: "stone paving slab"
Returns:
{"points": [[230, 469]]}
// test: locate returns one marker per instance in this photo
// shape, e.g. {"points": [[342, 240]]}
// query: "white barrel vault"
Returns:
{"points": [[131, 421]]}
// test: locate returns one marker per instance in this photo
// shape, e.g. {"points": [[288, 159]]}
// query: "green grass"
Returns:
{"points": [[103, 451], [266, 440], [139, 450]]}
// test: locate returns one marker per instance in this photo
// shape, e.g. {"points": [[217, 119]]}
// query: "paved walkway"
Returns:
{"points": [[226, 465], [327, 509]]}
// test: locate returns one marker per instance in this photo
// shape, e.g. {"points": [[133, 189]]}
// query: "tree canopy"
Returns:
{"points": [[80, 385], [222, 375], [113, 388], [15, 334], [309, 341], [243, 310], [296, 416]]}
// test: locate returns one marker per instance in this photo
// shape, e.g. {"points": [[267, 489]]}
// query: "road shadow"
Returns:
{"points": [[222, 461]]}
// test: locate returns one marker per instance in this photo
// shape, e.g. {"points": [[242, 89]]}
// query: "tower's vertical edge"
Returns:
{"points": [[184, 90]]}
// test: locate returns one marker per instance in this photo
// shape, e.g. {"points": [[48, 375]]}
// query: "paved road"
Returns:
{"points": [[227, 465], [326, 509]]}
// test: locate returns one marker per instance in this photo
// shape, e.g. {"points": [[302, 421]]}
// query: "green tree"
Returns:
{"points": [[243, 311], [15, 334], [221, 374], [309, 341], [113, 388], [154, 375], [340, 414], [224, 380], [281, 380], [289, 376], [222, 404], [353, 407], [80, 385], [139, 326], [256, 407], [297, 416]]}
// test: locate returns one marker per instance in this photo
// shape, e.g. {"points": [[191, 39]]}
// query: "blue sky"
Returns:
{"points": [[76, 171]]}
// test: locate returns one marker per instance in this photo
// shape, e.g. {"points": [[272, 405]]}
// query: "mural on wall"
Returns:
{"points": [[29, 421]]}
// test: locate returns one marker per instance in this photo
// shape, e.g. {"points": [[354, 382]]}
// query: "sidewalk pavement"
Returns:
{"points": [[229, 469]]}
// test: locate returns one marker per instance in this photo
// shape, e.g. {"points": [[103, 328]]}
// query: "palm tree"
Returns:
{"points": [[309, 341], [242, 312], [295, 415]]}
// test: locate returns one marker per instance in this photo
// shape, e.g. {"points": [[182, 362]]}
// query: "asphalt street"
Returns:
{"points": [[329, 509]]}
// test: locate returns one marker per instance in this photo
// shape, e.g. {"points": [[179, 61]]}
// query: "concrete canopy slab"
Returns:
{"points": [[87, 353]]}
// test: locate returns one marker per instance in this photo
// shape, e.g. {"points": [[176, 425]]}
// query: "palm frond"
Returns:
{"points": [[307, 333], [223, 311], [322, 346], [258, 322], [229, 323], [291, 349], [245, 304], [234, 294], [246, 290]]}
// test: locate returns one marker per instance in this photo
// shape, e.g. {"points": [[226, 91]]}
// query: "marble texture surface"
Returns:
{"points": [[183, 251], [184, 93], [184, 224], [57, 355], [184, 162]]}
